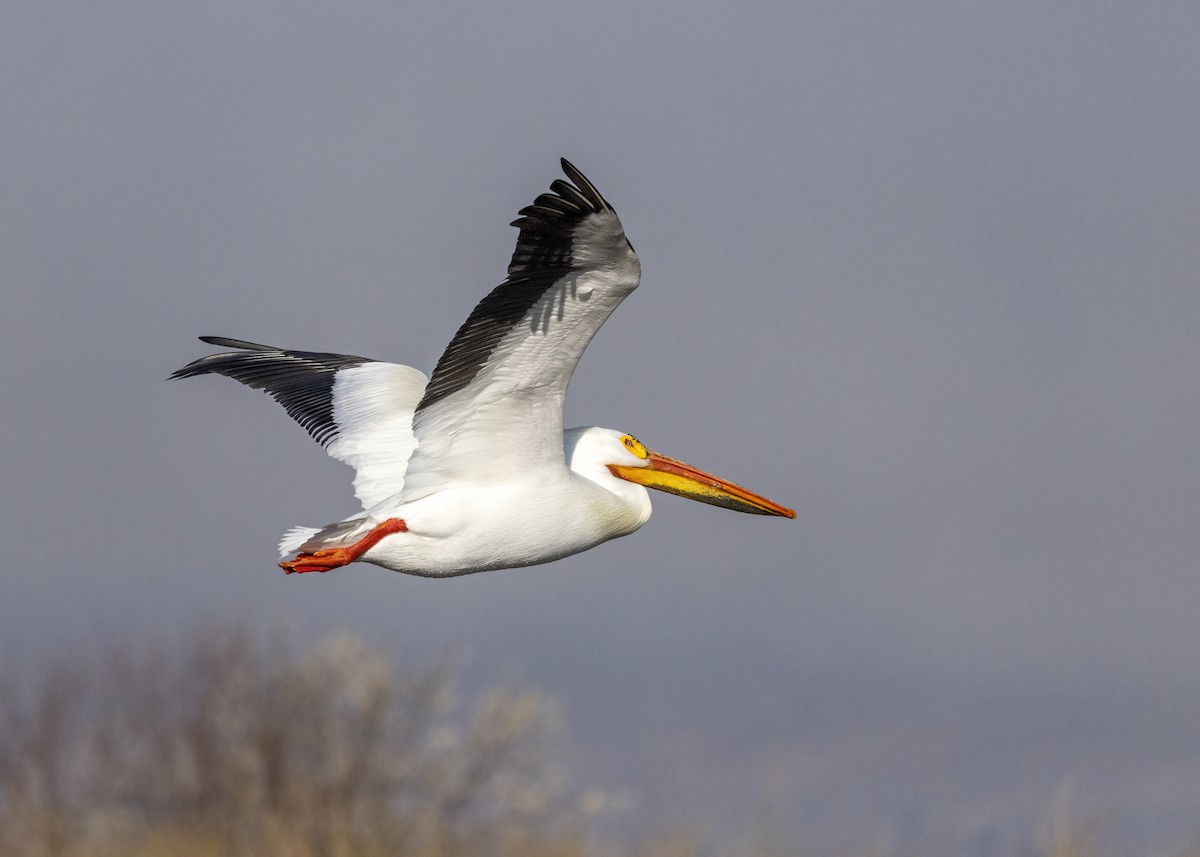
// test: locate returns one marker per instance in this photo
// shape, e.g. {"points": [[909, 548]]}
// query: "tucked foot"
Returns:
{"points": [[327, 558], [322, 560]]}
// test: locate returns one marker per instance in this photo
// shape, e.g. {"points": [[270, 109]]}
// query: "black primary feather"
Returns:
{"points": [[301, 381]]}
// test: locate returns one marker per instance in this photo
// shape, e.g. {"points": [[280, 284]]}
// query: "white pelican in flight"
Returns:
{"points": [[470, 470]]}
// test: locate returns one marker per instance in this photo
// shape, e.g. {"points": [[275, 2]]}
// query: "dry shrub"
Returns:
{"points": [[249, 746], [246, 747]]}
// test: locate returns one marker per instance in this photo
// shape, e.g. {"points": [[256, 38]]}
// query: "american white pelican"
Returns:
{"points": [[471, 470]]}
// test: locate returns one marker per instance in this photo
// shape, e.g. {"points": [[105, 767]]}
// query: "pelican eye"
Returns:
{"points": [[635, 446]]}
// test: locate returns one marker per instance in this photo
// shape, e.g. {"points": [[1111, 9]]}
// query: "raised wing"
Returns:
{"points": [[360, 410], [494, 403]]}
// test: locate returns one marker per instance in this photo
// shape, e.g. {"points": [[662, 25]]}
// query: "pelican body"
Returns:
{"points": [[470, 470]]}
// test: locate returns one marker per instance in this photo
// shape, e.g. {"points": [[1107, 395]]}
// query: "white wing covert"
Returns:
{"points": [[373, 406]]}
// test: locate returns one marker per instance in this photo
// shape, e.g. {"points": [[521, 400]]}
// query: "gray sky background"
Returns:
{"points": [[928, 272]]}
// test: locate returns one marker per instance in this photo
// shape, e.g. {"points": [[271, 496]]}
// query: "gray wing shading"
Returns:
{"points": [[495, 398]]}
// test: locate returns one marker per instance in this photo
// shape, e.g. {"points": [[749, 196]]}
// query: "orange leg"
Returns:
{"points": [[328, 558]]}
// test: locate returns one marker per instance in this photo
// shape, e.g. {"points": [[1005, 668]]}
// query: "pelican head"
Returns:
{"points": [[600, 454]]}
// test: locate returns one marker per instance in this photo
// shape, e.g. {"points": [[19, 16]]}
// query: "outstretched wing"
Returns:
{"points": [[360, 410], [494, 403]]}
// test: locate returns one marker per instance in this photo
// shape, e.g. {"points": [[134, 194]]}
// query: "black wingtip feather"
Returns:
{"points": [[548, 224], [585, 186], [226, 342], [301, 381]]}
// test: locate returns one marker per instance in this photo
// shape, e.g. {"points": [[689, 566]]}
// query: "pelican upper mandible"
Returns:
{"points": [[470, 470]]}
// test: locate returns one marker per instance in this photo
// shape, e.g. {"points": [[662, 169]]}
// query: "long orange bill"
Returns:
{"points": [[675, 477]]}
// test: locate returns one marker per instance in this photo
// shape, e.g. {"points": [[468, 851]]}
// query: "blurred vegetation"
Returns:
{"points": [[244, 745], [251, 747]]}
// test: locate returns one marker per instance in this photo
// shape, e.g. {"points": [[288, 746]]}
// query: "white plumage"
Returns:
{"points": [[471, 470]]}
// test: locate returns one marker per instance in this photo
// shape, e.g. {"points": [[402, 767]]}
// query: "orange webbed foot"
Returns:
{"points": [[329, 558], [322, 560]]}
